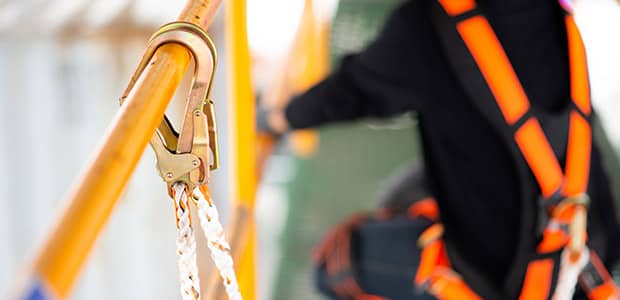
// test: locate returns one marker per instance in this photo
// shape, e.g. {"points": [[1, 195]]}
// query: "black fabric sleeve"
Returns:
{"points": [[385, 79]]}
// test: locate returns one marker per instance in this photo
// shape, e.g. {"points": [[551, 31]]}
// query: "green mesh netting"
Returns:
{"points": [[347, 172]]}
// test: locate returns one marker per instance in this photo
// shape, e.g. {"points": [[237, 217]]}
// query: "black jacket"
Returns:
{"points": [[470, 169]]}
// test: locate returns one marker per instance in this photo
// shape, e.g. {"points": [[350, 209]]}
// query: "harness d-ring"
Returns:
{"points": [[184, 156]]}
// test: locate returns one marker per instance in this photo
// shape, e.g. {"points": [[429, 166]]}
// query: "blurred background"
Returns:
{"points": [[64, 63]]}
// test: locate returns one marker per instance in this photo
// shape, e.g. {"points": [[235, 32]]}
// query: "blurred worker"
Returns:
{"points": [[495, 192]]}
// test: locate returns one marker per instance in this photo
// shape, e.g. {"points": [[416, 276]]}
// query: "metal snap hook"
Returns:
{"points": [[184, 156]]}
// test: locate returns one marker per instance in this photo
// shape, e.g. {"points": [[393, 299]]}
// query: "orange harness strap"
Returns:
{"points": [[514, 104], [571, 184], [597, 282], [537, 282], [435, 273]]}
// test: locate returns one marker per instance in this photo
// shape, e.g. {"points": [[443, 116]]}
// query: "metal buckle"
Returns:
{"points": [[430, 234], [577, 226], [546, 206], [184, 156]]}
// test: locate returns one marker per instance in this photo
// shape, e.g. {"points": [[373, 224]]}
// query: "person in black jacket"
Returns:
{"points": [[469, 169]]}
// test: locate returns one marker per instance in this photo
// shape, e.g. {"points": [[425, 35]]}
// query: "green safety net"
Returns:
{"points": [[348, 171]]}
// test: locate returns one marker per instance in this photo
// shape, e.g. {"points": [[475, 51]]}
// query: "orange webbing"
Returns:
{"points": [[455, 289], [431, 234], [457, 7], [497, 70], [577, 156], [444, 283], [426, 207], [513, 103], [552, 240], [537, 281], [429, 259], [606, 291], [435, 269], [495, 67], [554, 237], [537, 152], [580, 86]]}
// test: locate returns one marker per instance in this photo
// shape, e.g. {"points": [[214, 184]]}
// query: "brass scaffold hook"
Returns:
{"points": [[184, 156]]}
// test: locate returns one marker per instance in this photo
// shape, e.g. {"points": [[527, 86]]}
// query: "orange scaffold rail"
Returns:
{"points": [[242, 143], [91, 200]]}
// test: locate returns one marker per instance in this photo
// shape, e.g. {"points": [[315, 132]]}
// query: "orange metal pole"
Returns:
{"points": [[91, 200]]}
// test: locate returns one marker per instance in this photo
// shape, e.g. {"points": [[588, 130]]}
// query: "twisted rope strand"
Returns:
{"points": [[186, 245], [216, 241], [569, 274]]}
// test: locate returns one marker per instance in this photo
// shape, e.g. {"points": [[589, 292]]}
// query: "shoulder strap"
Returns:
{"points": [[474, 85], [486, 74]]}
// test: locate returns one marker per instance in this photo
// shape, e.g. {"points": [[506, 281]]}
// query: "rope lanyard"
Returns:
{"points": [[186, 243], [216, 241]]}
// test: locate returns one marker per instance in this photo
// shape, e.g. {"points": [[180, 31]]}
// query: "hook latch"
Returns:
{"points": [[185, 156]]}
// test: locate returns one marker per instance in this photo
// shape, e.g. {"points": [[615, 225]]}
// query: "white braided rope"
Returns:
{"points": [[216, 241], [186, 246], [569, 274]]}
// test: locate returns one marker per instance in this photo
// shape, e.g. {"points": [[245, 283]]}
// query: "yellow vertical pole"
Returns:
{"points": [[310, 49], [308, 63], [243, 137]]}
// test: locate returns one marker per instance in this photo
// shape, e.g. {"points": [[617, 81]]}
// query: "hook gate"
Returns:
{"points": [[185, 156]]}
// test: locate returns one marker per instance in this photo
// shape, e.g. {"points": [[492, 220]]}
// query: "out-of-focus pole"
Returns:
{"points": [[309, 60], [94, 195], [306, 63], [243, 145], [310, 49]]}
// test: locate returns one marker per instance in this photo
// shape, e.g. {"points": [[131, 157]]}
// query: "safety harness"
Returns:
{"points": [[562, 257], [552, 258]]}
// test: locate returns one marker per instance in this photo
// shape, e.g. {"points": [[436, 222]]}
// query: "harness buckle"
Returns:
{"points": [[546, 206], [430, 235], [578, 225], [189, 155], [571, 215]]}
